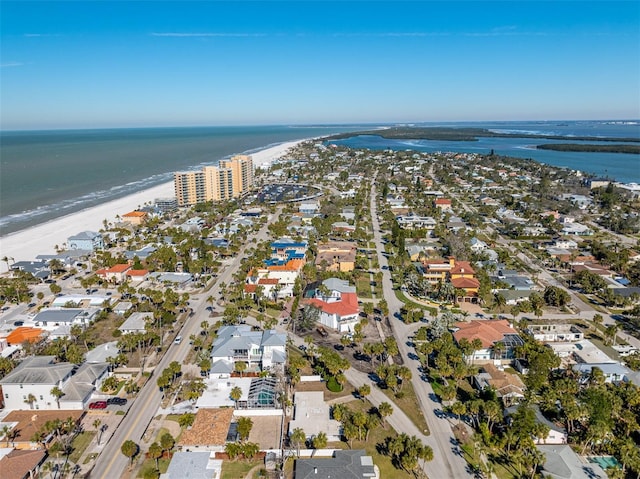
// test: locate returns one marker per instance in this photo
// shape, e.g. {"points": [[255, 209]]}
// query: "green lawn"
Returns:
{"points": [[238, 469], [149, 463], [80, 444], [377, 436], [410, 406]]}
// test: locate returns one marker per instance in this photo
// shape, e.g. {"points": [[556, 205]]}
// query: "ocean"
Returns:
{"points": [[48, 174], [620, 167]]}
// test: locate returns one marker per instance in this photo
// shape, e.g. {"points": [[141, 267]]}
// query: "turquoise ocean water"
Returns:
{"points": [[48, 174]]}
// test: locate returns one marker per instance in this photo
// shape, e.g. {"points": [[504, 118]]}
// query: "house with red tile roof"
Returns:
{"points": [[134, 217], [444, 204], [338, 306], [137, 275], [115, 274], [497, 339]]}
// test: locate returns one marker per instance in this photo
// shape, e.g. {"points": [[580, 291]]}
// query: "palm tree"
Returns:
{"points": [[130, 449], [298, 438], [155, 452], [236, 394], [319, 441], [30, 400], [57, 393], [96, 425], [385, 409]]}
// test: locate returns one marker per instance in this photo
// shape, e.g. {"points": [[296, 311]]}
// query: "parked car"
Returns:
{"points": [[18, 323], [118, 401], [98, 405]]}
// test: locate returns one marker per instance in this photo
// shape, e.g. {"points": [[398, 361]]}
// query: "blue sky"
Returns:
{"points": [[119, 64]]}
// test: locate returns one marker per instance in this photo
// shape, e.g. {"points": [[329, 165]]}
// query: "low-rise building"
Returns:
{"points": [[336, 256], [555, 332], [344, 465]]}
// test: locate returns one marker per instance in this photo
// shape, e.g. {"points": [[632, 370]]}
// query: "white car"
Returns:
{"points": [[178, 340]]}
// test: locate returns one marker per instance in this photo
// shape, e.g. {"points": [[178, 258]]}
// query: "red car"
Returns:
{"points": [[98, 405]]}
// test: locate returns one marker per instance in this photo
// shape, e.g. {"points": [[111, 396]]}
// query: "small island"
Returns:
{"points": [[463, 134], [630, 149]]}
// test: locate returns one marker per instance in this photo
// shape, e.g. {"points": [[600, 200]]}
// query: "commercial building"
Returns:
{"points": [[231, 179]]}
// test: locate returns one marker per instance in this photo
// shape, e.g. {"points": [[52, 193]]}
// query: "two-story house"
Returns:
{"points": [[259, 349], [86, 240], [338, 305], [30, 384]]}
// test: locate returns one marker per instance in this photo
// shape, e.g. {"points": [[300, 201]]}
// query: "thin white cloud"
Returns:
{"points": [[11, 64], [206, 34], [38, 35]]}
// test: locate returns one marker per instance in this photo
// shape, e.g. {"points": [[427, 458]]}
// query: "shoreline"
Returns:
{"points": [[26, 244]]}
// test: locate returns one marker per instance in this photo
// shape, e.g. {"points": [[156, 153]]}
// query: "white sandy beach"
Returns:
{"points": [[26, 244]]}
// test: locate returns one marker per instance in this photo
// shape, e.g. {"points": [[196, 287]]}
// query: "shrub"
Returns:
{"points": [[333, 385]]}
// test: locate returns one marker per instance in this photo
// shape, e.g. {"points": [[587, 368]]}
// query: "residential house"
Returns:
{"points": [[612, 372], [137, 275], [22, 463], [259, 349], [286, 249], [24, 424], [115, 274], [349, 214], [24, 333], [476, 245], [86, 240], [342, 227], [463, 278], [561, 462], [345, 464], [136, 323], [40, 268], [514, 296], [193, 464], [508, 387], [336, 256], [498, 339], [339, 308], [135, 218], [413, 222], [557, 434], [51, 318], [555, 332], [444, 204], [29, 385], [208, 432], [309, 208]]}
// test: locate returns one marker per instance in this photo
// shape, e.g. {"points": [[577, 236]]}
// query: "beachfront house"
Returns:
{"points": [[86, 240]]}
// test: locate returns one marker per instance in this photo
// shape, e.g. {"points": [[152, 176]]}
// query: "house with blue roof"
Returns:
{"points": [[86, 240], [287, 249]]}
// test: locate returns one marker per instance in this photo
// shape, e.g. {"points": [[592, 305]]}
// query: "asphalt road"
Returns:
{"points": [[111, 463], [447, 461]]}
